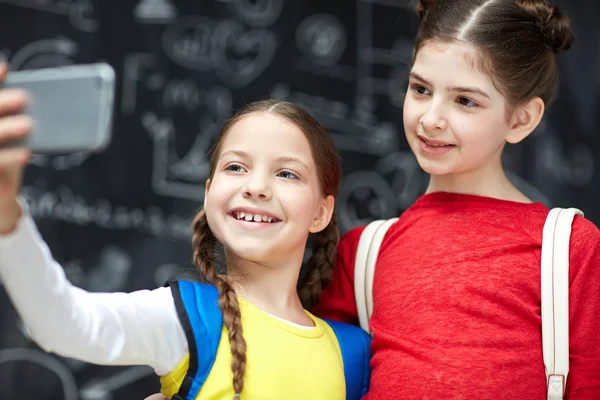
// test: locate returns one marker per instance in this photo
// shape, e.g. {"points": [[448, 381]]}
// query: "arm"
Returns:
{"points": [[583, 381], [140, 328], [337, 301]]}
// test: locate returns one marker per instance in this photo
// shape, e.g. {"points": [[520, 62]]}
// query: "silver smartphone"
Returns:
{"points": [[71, 107]]}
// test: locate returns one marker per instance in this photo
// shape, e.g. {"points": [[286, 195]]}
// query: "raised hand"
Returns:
{"points": [[12, 159]]}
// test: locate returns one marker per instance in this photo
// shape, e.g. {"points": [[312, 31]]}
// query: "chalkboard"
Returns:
{"points": [[119, 220]]}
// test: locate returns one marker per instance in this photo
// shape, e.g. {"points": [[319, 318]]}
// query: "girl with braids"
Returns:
{"points": [[245, 335], [456, 290]]}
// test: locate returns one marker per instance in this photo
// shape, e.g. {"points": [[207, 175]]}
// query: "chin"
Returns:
{"points": [[251, 253], [434, 168]]}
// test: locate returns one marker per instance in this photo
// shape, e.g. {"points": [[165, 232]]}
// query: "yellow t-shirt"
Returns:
{"points": [[283, 362]]}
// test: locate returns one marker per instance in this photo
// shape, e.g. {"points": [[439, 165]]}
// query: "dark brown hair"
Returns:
{"points": [[518, 40], [321, 263]]}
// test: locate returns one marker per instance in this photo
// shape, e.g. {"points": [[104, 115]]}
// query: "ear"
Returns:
{"points": [[524, 119], [323, 215], [207, 186]]}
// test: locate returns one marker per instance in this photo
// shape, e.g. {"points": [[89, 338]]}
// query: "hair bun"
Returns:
{"points": [[423, 6], [555, 26]]}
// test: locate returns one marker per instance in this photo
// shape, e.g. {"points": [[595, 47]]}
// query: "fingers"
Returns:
{"points": [[12, 101], [14, 127], [157, 396], [17, 157]]}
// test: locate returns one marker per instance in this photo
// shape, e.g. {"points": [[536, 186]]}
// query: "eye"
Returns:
{"points": [[287, 175], [234, 168], [420, 89], [463, 101]]}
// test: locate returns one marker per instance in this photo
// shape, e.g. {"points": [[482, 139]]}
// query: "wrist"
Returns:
{"points": [[9, 217]]}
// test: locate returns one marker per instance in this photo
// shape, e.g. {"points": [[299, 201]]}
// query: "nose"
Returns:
{"points": [[257, 186], [434, 120]]}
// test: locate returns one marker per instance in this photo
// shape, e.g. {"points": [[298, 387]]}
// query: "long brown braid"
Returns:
{"points": [[320, 265], [203, 242], [319, 268]]}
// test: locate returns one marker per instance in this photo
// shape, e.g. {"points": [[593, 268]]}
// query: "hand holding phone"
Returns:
{"points": [[12, 159], [71, 107]]}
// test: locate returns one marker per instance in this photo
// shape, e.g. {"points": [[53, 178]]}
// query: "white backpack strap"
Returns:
{"points": [[555, 298], [364, 268]]}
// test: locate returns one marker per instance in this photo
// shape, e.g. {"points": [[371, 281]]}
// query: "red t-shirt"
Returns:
{"points": [[457, 302]]}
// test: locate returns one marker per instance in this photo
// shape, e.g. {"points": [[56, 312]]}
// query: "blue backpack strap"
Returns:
{"points": [[197, 306], [356, 355]]}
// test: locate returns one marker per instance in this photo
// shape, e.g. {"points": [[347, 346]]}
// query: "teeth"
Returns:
{"points": [[437, 145], [252, 217]]}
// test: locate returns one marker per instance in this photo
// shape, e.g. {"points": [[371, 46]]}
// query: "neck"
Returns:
{"points": [[489, 181], [272, 287]]}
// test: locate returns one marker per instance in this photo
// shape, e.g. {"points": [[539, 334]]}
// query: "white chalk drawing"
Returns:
{"points": [[96, 389], [64, 205], [257, 13], [55, 52], [138, 70], [240, 55], [175, 175], [179, 170], [111, 272], [370, 55], [364, 196], [181, 176], [187, 42], [321, 38], [406, 178], [11, 358], [108, 273], [351, 130], [79, 12], [569, 166], [237, 55], [165, 272], [103, 389], [154, 11]]}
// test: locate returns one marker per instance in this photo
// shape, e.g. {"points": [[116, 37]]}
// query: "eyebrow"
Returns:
{"points": [[282, 159], [452, 88]]}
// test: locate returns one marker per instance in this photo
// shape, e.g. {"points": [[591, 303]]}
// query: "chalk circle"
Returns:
{"points": [[17, 362], [322, 39]]}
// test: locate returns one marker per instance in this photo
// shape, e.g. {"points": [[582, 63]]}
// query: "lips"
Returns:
{"points": [[435, 143]]}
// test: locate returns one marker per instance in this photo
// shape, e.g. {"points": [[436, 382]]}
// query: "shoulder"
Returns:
{"points": [[196, 302], [350, 240], [352, 236], [585, 240], [584, 227]]}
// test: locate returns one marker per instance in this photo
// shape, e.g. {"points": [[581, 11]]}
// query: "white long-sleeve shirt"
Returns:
{"points": [[138, 328]]}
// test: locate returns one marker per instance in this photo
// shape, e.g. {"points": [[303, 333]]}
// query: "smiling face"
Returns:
{"points": [[265, 196], [455, 120]]}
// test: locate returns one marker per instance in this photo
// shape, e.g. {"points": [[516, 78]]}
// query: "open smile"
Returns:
{"points": [[248, 217], [434, 146]]}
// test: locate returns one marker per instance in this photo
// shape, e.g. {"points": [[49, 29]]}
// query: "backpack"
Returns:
{"points": [[202, 321], [554, 289]]}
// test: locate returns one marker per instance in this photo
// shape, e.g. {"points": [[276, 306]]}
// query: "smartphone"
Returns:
{"points": [[71, 107]]}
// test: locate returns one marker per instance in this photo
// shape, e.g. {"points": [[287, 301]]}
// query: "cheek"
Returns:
{"points": [[410, 114], [481, 130], [298, 201]]}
